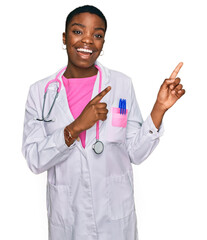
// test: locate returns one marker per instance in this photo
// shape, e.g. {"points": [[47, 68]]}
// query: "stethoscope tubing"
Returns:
{"points": [[99, 90], [56, 96], [43, 108]]}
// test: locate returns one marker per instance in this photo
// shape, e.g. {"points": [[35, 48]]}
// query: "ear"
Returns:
{"points": [[64, 38]]}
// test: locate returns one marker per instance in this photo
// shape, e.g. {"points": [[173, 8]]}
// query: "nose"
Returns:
{"points": [[87, 38]]}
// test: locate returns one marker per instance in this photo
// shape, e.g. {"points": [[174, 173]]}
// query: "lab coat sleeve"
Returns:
{"points": [[41, 151], [142, 136]]}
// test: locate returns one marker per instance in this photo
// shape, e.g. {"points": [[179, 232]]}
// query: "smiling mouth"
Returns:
{"points": [[84, 51]]}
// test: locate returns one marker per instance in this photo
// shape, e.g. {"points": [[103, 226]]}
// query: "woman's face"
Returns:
{"points": [[84, 39]]}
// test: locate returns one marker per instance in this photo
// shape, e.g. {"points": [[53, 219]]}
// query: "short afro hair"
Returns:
{"points": [[86, 8]]}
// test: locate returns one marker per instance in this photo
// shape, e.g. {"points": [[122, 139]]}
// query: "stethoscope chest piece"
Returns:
{"points": [[98, 147]]}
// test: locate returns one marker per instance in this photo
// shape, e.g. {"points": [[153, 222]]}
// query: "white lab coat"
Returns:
{"points": [[89, 196]]}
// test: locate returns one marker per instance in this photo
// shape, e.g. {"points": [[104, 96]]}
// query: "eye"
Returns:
{"points": [[77, 32], [98, 36]]}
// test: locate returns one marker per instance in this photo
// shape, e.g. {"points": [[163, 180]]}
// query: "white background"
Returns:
{"points": [[145, 40]]}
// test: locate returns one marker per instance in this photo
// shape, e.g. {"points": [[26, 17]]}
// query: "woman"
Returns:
{"points": [[90, 186]]}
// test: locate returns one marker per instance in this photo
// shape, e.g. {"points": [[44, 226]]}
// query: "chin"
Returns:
{"points": [[84, 64]]}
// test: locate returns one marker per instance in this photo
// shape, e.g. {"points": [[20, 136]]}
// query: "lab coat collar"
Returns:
{"points": [[105, 75]]}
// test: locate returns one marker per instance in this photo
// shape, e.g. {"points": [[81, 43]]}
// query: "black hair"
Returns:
{"points": [[86, 8]]}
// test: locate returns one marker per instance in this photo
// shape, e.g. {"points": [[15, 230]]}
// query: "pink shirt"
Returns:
{"points": [[79, 92]]}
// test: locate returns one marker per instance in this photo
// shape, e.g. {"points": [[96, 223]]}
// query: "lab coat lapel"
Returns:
{"points": [[91, 132], [63, 102]]}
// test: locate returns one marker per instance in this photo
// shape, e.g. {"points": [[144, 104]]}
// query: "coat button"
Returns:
{"points": [[150, 131], [86, 185]]}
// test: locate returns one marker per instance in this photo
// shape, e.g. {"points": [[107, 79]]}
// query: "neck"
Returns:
{"points": [[77, 72]]}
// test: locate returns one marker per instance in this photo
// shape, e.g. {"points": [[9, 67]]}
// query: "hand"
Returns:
{"points": [[93, 112], [170, 91]]}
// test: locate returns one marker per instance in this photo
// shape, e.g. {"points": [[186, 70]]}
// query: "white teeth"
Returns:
{"points": [[84, 50]]}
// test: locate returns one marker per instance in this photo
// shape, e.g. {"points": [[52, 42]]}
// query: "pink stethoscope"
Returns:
{"points": [[98, 146]]}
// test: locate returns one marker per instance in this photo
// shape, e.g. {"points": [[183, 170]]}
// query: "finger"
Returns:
{"points": [[102, 116], [178, 87], [177, 69], [174, 84], [169, 82], [98, 97], [179, 93], [102, 110], [101, 105]]}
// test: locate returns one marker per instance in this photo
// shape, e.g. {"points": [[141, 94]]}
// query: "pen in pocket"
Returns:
{"points": [[122, 106]]}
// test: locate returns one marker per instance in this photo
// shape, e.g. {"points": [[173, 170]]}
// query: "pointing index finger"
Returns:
{"points": [[98, 97], [176, 71]]}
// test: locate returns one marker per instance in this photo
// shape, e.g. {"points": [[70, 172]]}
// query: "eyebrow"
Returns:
{"points": [[81, 25], [100, 28], [78, 24]]}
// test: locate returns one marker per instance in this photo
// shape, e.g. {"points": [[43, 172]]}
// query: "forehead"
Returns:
{"points": [[88, 19]]}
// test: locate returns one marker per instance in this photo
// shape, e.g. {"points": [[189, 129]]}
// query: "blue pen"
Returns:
{"points": [[124, 106], [120, 105]]}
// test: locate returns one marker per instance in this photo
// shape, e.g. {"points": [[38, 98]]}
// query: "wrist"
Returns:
{"points": [[70, 135], [74, 129], [158, 107], [157, 114]]}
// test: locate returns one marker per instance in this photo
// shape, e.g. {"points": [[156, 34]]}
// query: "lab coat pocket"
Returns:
{"points": [[116, 131], [121, 196], [59, 205]]}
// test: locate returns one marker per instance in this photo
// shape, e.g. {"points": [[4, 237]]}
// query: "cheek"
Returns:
{"points": [[99, 45], [71, 53], [72, 39], [70, 46], [71, 42]]}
